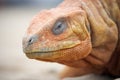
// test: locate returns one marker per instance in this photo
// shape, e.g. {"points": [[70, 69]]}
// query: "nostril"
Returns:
{"points": [[32, 39]]}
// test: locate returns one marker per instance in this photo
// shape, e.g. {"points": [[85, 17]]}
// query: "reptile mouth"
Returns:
{"points": [[47, 54], [52, 49], [79, 50]]}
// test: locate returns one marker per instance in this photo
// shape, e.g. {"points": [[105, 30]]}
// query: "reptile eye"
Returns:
{"points": [[59, 27]]}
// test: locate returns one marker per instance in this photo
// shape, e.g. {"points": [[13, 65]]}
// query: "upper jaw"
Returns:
{"points": [[52, 48]]}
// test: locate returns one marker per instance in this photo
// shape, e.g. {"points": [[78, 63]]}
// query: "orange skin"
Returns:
{"points": [[87, 45]]}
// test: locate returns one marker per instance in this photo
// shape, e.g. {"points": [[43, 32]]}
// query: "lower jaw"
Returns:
{"points": [[69, 54], [35, 55], [46, 55], [49, 57]]}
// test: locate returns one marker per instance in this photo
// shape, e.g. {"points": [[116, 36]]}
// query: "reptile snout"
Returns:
{"points": [[28, 41]]}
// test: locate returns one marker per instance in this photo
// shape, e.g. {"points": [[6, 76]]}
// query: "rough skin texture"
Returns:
{"points": [[89, 42]]}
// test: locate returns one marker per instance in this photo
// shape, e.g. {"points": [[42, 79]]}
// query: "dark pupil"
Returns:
{"points": [[59, 27]]}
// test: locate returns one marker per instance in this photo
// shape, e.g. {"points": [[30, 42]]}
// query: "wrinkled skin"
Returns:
{"points": [[82, 34]]}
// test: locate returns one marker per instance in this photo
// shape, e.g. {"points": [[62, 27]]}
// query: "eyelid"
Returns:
{"points": [[56, 30]]}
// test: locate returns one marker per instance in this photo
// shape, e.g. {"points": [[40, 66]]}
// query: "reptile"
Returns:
{"points": [[84, 35]]}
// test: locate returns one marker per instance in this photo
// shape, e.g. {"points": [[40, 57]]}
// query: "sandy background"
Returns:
{"points": [[14, 65]]}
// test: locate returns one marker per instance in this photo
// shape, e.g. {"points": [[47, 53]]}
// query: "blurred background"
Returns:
{"points": [[15, 16]]}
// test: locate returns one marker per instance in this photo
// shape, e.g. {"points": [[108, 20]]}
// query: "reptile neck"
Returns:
{"points": [[114, 63]]}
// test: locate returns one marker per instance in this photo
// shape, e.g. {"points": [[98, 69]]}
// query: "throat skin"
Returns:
{"points": [[95, 24]]}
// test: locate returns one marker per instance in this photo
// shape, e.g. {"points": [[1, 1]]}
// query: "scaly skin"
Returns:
{"points": [[89, 42]]}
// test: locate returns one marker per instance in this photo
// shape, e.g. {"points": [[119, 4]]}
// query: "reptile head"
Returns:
{"points": [[58, 35]]}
